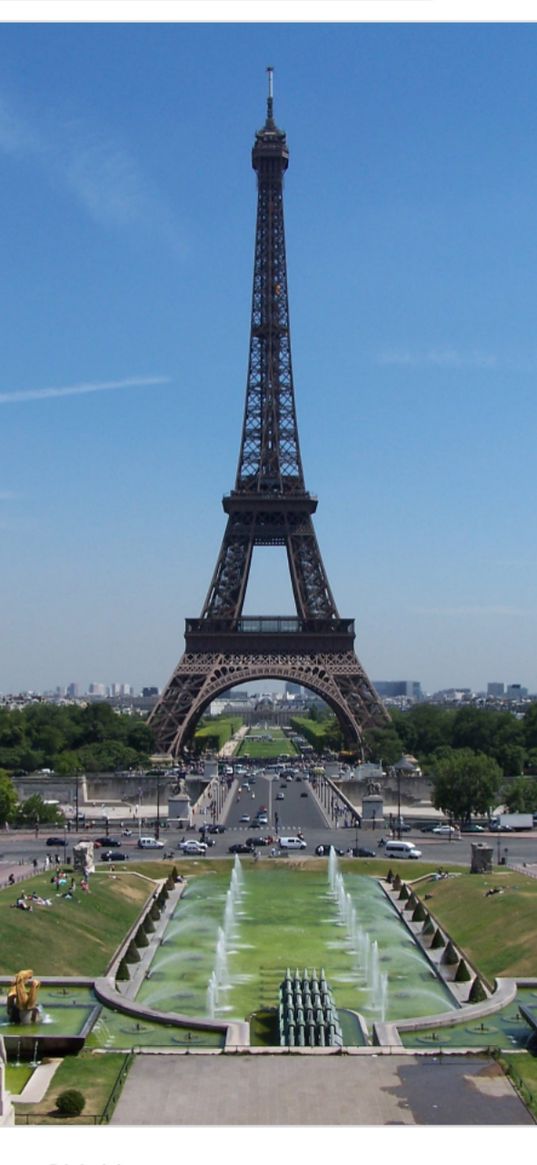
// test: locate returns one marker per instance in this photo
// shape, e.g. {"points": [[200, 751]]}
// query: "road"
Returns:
{"points": [[286, 817]]}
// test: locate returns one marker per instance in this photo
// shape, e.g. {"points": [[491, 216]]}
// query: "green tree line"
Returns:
{"points": [[72, 739]]}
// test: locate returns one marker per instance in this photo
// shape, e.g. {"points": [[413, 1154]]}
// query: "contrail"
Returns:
{"points": [[8, 398]]}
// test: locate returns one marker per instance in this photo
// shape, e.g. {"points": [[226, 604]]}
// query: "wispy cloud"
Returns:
{"points": [[472, 611], [7, 398], [94, 168], [439, 358]]}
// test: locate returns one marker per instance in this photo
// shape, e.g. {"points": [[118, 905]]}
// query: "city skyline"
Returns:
{"points": [[126, 306]]}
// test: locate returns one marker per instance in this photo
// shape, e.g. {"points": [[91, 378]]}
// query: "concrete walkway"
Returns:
{"points": [[317, 1090], [36, 1088]]}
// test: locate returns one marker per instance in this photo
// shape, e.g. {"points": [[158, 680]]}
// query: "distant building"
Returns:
{"points": [[495, 689], [97, 690], [149, 692], [73, 691], [516, 692], [390, 689]]}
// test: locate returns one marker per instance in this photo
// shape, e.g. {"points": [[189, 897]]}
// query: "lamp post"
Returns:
{"points": [[76, 802], [157, 827]]}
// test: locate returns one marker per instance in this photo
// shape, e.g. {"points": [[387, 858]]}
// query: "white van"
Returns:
{"points": [[401, 849], [292, 843], [150, 843]]}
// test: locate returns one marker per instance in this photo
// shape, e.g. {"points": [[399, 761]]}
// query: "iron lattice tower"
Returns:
{"points": [[269, 506]]}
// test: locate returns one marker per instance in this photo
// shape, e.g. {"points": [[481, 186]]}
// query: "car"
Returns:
{"points": [[427, 827], [111, 855], [304, 794], [280, 796], [107, 842], [150, 843], [191, 846], [55, 841], [472, 827], [262, 819], [262, 809], [244, 819], [239, 848], [255, 824], [216, 829], [251, 841], [401, 827], [495, 827], [362, 851], [323, 851], [446, 830]]}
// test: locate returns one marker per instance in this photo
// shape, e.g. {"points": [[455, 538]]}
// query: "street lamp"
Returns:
{"points": [[157, 827], [403, 766]]}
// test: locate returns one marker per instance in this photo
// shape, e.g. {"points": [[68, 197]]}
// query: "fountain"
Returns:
{"points": [[219, 977], [359, 941], [22, 1005]]}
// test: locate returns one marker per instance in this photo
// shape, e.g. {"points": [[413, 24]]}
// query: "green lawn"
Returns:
{"points": [[497, 932], [279, 745], [17, 1076], [93, 1074], [523, 1070], [72, 936]]}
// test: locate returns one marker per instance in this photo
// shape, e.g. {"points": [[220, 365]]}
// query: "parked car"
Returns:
{"points": [[472, 827], [55, 841], [446, 830], [112, 855], [239, 848], [427, 827], [191, 846]]}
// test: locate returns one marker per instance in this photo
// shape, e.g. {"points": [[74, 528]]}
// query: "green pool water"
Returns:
{"points": [[65, 1012], [506, 1029], [114, 1030], [287, 917]]}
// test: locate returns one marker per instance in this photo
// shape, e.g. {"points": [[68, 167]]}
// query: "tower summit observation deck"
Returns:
{"points": [[269, 506]]}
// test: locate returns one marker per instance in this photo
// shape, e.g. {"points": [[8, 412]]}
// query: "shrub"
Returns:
{"points": [[132, 954], [148, 924], [155, 912], [396, 884], [462, 974], [412, 902], [429, 927], [419, 913], [141, 938], [450, 955], [389, 876], [71, 1102], [122, 972], [477, 991], [403, 893], [438, 939], [175, 873]]}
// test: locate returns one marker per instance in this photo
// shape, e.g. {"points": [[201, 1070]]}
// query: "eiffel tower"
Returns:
{"points": [[269, 506]]}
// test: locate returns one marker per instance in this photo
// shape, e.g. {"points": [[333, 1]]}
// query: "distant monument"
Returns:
{"points": [[481, 858], [373, 808]]}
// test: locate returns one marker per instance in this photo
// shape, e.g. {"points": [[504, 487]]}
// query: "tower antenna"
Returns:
{"points": [[270, 71]]}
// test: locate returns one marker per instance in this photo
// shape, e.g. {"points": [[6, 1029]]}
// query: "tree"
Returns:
{"points": [[8, 797], [464, 783], [35, 809], [521, 795]]}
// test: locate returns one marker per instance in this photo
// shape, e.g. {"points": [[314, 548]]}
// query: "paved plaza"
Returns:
{"points": [[317, 1090]]}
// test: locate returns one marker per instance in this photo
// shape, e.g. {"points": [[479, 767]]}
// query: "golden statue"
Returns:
{"points": [[22, 1005]]}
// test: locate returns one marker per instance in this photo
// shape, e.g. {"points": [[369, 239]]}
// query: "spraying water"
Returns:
{"points": [[358, 939]]}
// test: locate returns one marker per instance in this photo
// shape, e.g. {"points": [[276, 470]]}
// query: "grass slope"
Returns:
{"points": [[91, 1074], [71, 937], [267, 749], [497, 932]]}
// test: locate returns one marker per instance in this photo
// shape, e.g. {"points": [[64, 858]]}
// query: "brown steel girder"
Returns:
{"points": [[200, 677]]}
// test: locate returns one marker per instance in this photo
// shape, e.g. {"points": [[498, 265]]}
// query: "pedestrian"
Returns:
{"points": [[34, 864]]}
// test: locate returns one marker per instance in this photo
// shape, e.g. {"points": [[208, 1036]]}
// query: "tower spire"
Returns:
{"points": [[270, 74]]}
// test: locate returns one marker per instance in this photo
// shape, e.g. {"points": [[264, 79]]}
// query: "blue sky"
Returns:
{"points": [[128, 211]]}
